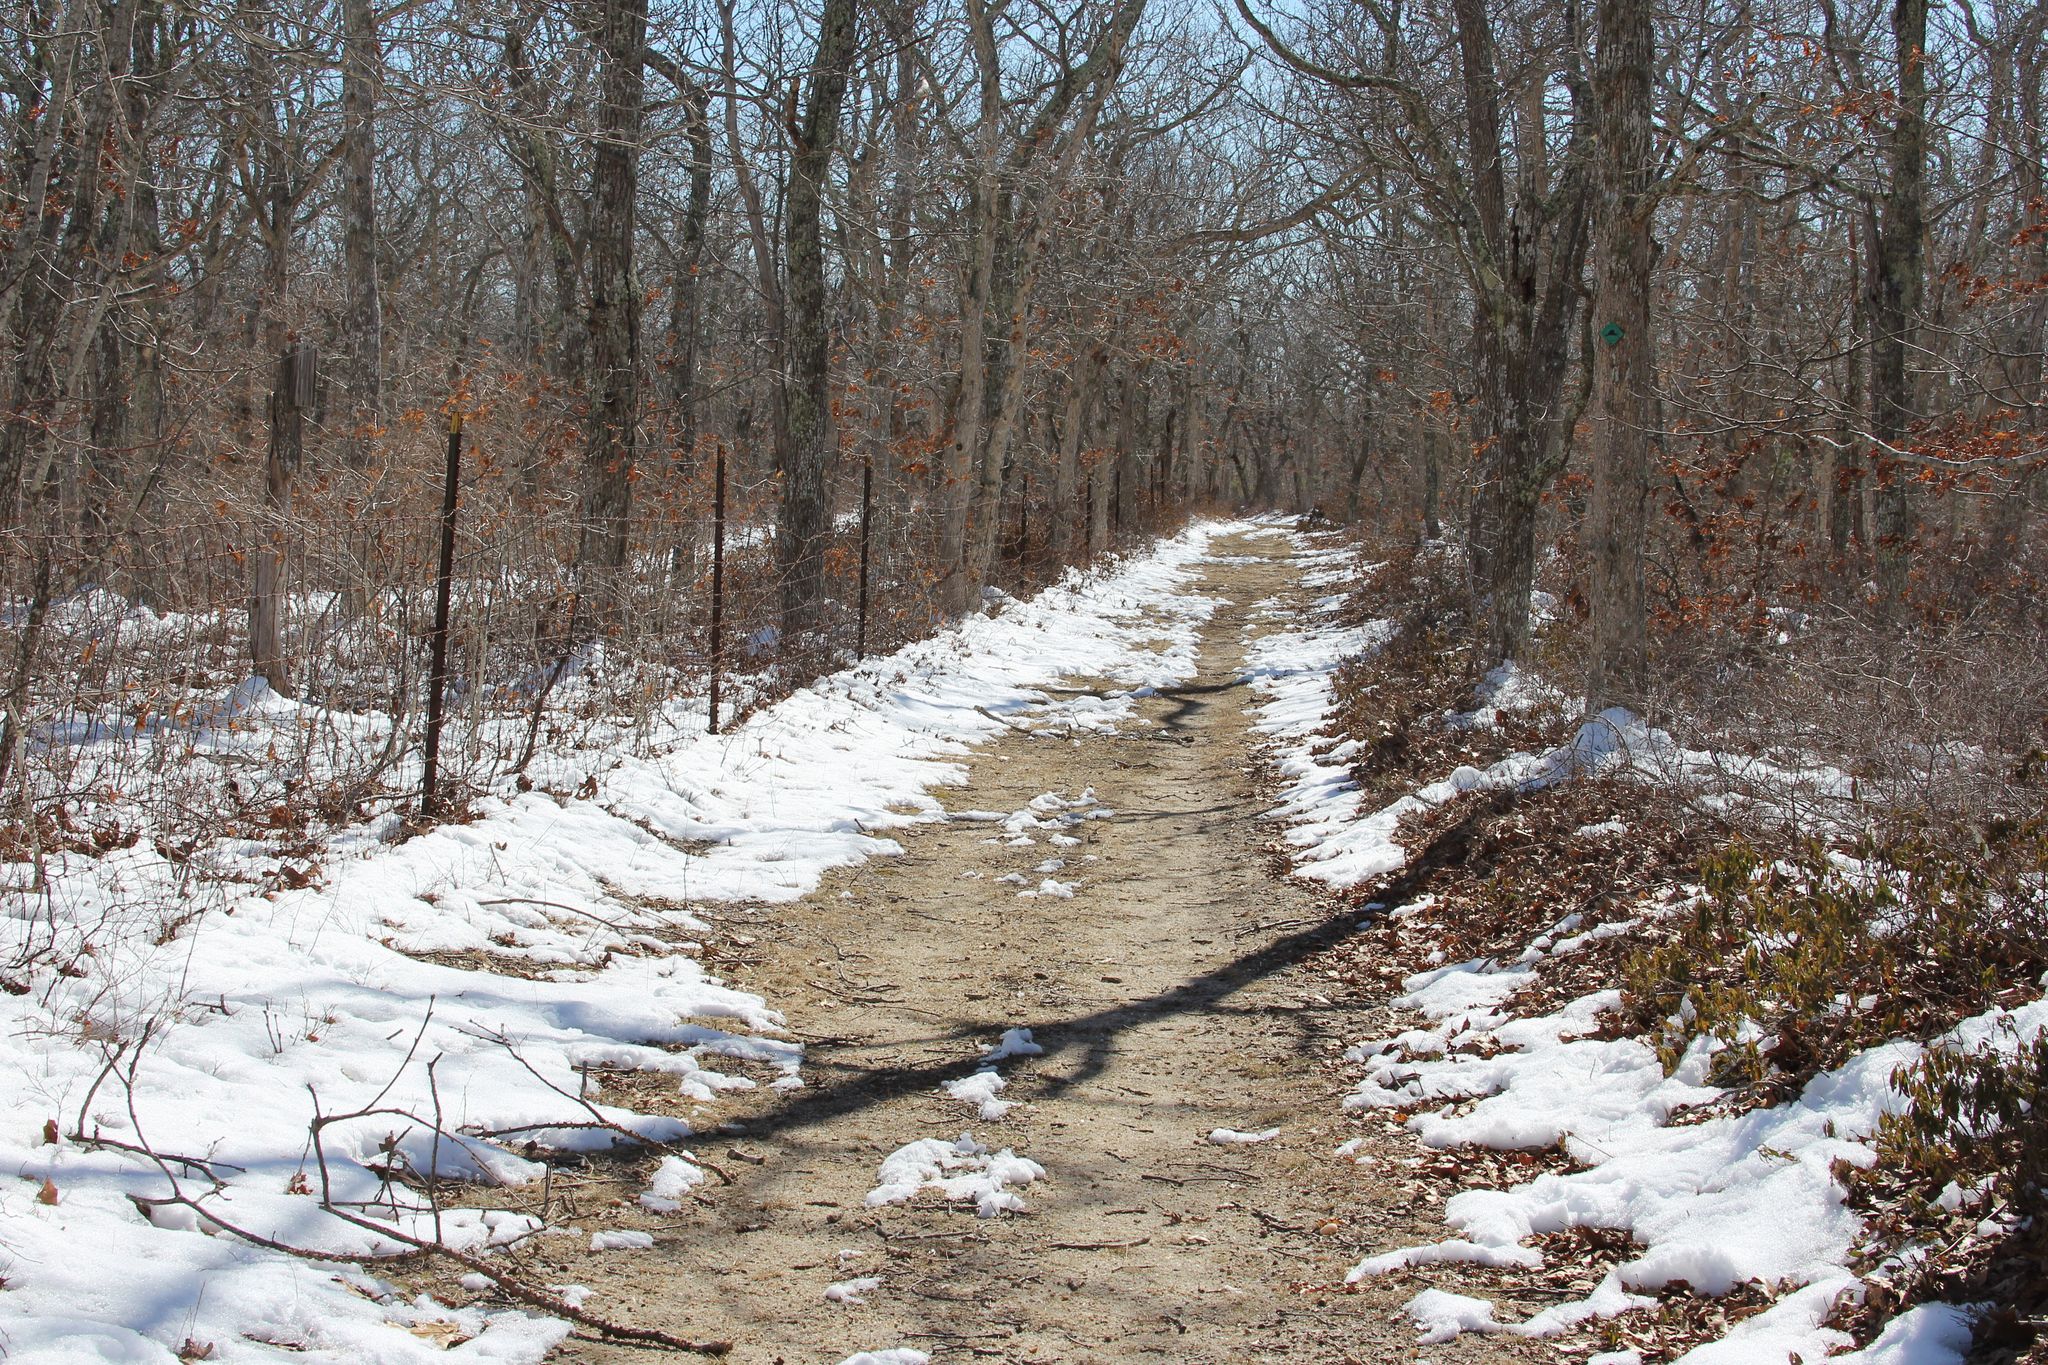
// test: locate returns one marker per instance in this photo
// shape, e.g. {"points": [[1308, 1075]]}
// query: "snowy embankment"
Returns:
{"points": [[200, 1056], [1714, 1204]]}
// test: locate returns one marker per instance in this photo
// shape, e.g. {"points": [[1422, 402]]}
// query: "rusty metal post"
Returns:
{"points": [[437, 666], [867, 513]]}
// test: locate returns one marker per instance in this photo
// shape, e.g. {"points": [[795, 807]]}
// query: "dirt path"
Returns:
{"points": [[1167, 999]]}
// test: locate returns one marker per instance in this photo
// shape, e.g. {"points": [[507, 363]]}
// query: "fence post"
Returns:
{"points": [[717, 582], [1088, 518], [867, 511], [437, 667], [297, 377]]}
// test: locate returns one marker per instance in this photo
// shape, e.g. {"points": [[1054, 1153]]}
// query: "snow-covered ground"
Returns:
{"points": [[427, 1006], [1716, 1203]]}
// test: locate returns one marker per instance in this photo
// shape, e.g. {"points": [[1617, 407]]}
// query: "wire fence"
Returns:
{"points": [[130, 697]]}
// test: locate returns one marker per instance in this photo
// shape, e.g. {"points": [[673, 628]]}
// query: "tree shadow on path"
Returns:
{"points": [[1091, 1039]]}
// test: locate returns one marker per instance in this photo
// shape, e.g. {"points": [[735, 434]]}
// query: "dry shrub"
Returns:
{"points": [[1795, 961], [1391, 701]]}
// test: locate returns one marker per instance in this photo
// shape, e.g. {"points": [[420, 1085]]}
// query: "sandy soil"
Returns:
{"points": [[1170, 999]]}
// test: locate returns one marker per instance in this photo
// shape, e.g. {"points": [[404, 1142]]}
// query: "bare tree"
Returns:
{"points": [[361, 67], [805, 437], [1624, 361], [612, 430]]}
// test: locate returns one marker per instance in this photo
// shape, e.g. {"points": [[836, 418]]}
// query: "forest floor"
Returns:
{"points": [[1168, 995], [1169, 967]]}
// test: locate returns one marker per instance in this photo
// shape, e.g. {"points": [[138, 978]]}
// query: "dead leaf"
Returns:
{"points": [[439, 1331]]}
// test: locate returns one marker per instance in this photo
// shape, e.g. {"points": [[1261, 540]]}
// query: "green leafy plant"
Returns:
{"points": [[1976, 1112], [1791, 962]]}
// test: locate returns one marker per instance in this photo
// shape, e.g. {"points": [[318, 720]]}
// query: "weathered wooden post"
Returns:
{"points": [[437, 666], [717, 582], [298, 367]]}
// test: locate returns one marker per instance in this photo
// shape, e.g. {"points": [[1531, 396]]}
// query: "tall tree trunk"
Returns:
{"points": [[685, 317], [1066, 470], [42, 264], [124, 384], [1897, 285], [1430, 440], [1624, 359], [1846, 526], [363, 374], [958, 470], [289, 397], [291, 392], [1524, 275], [611, 436], [1194, 473], [804, 437]]}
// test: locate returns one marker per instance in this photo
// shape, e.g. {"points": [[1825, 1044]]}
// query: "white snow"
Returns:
{"points": [[1728, 1201], [1716, 1203], [1471, 1253], [981, 1090], [489, 971], [962, 1172], [895, 1355], [1230, 1137], [1441, 1315], [621, 1241], [672, 1180], [1931, 1334], [1015, 1042], [852, 1291], [1713, 1203]]}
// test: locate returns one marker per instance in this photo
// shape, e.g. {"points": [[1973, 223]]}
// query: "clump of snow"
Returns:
{"points": [[1710, 1202], [895, 1355], [1015, 1042], [1230, 1137], [962, 1171], [621, 1241], [1931, 1334], [981, 1090], [668, 1185], [1441, 1315], [1471, 1253], [852, 1291], [1506, 689]]}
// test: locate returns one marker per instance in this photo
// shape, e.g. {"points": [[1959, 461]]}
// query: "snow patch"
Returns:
{"points": [[962, 1172]]}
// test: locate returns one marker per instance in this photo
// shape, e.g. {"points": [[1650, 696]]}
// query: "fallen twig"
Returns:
{"points": [[1101, 1246]]}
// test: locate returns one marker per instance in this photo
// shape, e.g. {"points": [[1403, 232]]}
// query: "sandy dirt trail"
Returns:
{"points": [[1169, 999]]}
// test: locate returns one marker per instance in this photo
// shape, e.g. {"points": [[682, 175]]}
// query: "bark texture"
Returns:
{"points": [[805, 438], [1897, 283], [611, 432], [1624, 358], [363, 376]]}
